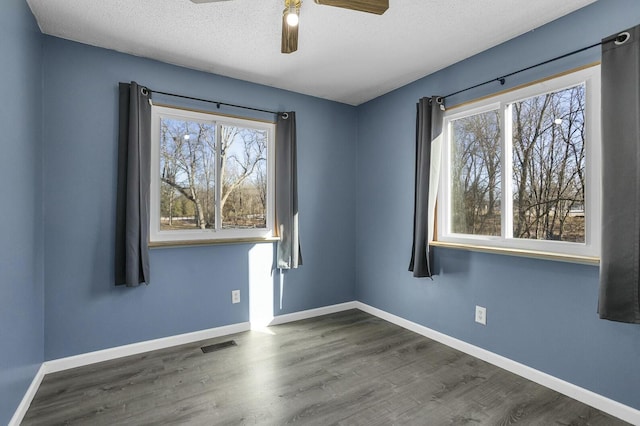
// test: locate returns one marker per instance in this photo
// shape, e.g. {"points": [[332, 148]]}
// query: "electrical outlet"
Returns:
{"points": [[235, 296], [481, 315]]}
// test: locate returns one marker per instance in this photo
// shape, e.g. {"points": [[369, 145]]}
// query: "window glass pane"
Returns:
{"points": [[244, 177], [476, 175], [549, 166], [187, 173]]}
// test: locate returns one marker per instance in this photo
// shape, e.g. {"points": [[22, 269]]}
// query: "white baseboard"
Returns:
{"points": [[140, 347], [588, 397], [180, 339], [311, 313], [27, 398]]}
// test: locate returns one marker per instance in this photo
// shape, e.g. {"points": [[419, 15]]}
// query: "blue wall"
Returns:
{"points": [[21, 283], [540, 313], [191, 286]]}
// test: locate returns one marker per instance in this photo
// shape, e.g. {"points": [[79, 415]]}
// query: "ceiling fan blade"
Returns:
{"points": [[289, 37], [370, 6]]}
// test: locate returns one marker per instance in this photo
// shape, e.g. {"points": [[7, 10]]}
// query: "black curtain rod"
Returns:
{"points": [[621, 38], [217, 103]]}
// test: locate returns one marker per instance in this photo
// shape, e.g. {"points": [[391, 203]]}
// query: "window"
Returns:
{"points": [[521, 169], [211, 176]]}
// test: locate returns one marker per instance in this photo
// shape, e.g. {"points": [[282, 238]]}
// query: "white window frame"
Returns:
{"points": [[591, 247], [199, 235]]}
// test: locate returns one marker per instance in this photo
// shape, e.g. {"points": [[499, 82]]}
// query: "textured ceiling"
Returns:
{"points": [[343, 55]]}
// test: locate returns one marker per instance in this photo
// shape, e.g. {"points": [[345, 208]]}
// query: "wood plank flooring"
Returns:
{"points": [[348, 368]]}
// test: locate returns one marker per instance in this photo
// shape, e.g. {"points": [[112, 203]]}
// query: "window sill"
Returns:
{"points": [[191, 243], [570, 258]]}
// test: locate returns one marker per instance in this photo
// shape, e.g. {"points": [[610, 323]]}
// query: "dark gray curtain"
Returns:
{"points": [[288, 254], [620, 255], [428, 129], [132, 206]]}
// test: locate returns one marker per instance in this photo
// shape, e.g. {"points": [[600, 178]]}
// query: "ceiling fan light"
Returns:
{"points": [[291, 14], [292, 19]]}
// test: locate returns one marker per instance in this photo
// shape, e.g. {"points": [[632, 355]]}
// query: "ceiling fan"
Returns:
{"points": [[292, 12]]}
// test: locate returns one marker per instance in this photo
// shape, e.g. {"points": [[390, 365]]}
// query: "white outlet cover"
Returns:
{"points": [[235, 296], [481, 315]]}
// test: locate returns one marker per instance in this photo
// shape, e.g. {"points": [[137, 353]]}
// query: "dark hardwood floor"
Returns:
{"points": [[348, 368]]}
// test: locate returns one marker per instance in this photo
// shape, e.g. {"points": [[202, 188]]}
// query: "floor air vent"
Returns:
{"points": [[218, 346]]}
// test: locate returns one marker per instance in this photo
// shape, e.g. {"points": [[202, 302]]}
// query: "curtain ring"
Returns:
{"points": [[285, 115], [144, 91], [622, 38]]}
